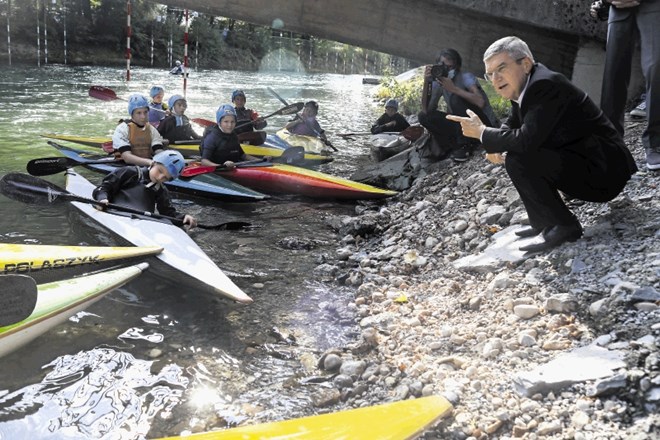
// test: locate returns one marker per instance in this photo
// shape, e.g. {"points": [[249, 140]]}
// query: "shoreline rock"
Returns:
{"points": [[432, 326]]}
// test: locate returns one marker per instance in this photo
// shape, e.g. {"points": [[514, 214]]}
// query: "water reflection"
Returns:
{"points": [[99, 393]]}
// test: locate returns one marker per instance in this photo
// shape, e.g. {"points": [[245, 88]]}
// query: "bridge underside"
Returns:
{"points": [[417, 29]]}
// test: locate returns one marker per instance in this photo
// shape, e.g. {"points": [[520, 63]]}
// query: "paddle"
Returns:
{"points": [[412, 133], [283, 101], [288, 110], [18, 297], [104, 93], [28, 189], [249, 137], [53, 165], [289, 156], [203, 122]]}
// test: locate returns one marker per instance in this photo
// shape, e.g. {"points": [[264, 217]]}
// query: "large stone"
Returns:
{"points": [[580, 365]]}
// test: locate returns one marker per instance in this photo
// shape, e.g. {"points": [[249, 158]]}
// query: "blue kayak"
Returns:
{"points": [[207, 185]]}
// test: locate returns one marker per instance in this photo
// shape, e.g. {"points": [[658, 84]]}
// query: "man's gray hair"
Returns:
{"points": [[514, 46]]}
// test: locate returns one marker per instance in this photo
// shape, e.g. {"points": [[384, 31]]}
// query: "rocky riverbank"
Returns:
{"points": [[559, 345]]}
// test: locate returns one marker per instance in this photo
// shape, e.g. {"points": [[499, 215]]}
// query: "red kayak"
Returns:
{"points": [[288, 179]]}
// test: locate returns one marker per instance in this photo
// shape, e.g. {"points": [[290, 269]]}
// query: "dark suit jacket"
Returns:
{"points": [[556, 115]]}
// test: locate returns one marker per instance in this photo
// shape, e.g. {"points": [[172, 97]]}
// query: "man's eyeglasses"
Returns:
{"points": [[500, 70]]}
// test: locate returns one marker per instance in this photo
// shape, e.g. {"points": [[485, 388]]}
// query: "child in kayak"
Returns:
{"points": [[220, 145], [142, 187], [176, 126], [135, 140], [157, 108], [245, 115], [306, 123], [391, 120]]}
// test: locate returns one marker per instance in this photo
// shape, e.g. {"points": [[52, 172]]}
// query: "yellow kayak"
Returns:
{"points": [[192, 149], [28, 258], [59, 300], [391, 421]]}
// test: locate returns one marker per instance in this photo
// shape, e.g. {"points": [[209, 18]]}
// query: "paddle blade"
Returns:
{"points": [[48, 165], [228, 226], [196, 170], [18, 297], [28, 189], [290, 109], [102, 93], [291, 155], [413, 132], [203, 122]]}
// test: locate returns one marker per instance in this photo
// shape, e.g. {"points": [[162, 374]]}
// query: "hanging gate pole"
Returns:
{"points": [[128, 40]]}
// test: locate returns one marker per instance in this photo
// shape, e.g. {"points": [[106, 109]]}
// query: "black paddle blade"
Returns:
{"points": [[18, 297], [291, 109], [28, 189], [228, 226], [48, 165], [291, 155]]}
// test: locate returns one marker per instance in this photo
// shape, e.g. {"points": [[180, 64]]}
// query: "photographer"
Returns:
{"points": [[461, 91]]}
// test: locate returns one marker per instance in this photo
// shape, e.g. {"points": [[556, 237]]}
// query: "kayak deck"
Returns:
{"points": [[203, 185], [391, 421], [184, 261], [281, 178], [59, 300]]}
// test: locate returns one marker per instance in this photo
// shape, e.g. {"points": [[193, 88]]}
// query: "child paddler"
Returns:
{"points": [[157, 108], [176, 126], [220, 145], [391, 120], [245, 115], [135, 140], [142, 187]]}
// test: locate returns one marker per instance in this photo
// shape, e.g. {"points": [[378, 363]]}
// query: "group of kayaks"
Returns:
{"points": [[28, 309]]}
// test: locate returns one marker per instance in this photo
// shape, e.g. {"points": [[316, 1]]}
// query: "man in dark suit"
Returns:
{"points": [[556, 139]]}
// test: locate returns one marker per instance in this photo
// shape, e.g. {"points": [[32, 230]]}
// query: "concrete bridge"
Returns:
{"points": [[560, 33]]}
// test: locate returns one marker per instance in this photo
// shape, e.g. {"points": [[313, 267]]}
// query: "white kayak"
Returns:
{"points": [[185, 262], [59, 300]]}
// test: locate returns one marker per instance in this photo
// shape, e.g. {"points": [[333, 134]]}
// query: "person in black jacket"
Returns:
{"points": [[142, 187], [391, 120], [220, 145], [176, 126], [245, 115], [556, 139]]}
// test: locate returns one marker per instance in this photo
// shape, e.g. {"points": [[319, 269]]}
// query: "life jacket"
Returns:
{"points": [[140, 139]]}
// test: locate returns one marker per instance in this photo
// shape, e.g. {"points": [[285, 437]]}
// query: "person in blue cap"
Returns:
{"points": [[176, 126], [143, 187], [157, 108], [245, 115], [220, 145], [135, 140], [391, 120]]}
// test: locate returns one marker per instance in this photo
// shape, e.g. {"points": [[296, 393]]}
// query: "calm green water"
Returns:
{"points": [[148, 360]]}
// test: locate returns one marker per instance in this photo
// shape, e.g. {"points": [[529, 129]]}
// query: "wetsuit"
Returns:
{"points": [[245, 115], [400, 123], [177, 128], [130, 186], [219, 147]]}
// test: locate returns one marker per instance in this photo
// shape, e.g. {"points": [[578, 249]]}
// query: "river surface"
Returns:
{"points": [[153, 359]]}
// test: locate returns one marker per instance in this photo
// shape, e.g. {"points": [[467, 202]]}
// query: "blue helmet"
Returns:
{"points": [[155, 90], [236, 93], [392, 103], [224, 110], [172, 161], [173, 99], [136, 101]]}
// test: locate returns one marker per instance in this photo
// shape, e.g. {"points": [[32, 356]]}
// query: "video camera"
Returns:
{"points": [[439, 71]]}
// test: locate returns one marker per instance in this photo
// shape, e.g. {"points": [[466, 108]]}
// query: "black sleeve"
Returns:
{"points": [[164, 204], [401, 122], [113, 182]]}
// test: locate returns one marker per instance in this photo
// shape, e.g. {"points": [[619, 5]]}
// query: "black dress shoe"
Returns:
{"points": [[555, 236], [528, 232]]}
